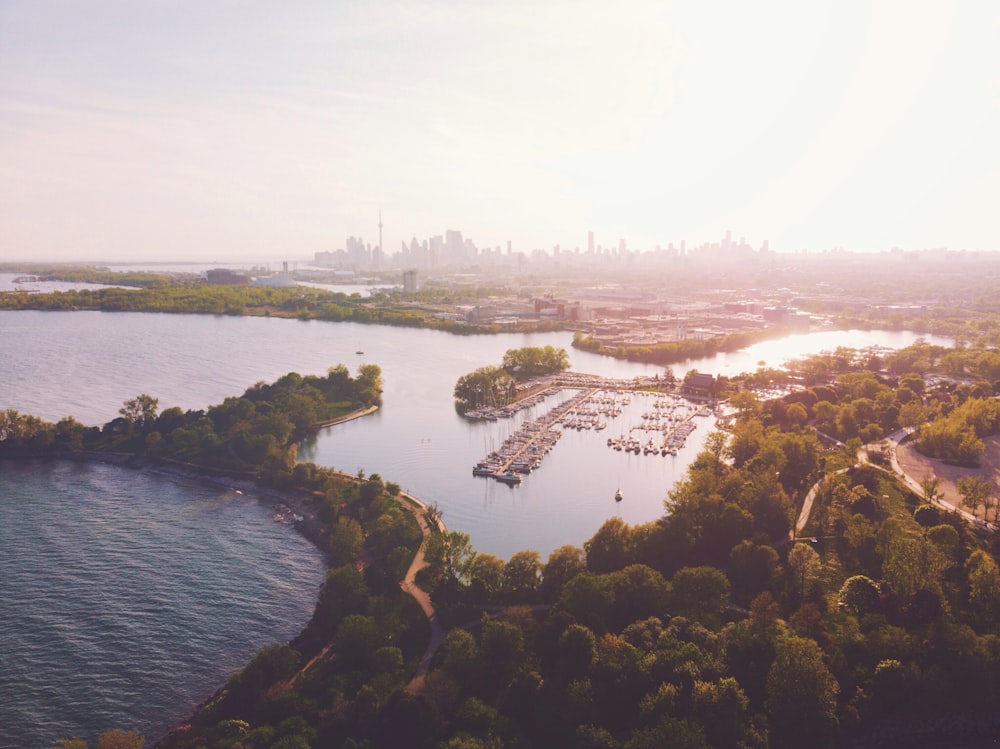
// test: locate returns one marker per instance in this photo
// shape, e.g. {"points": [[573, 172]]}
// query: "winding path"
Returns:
{"points": [[893, 440], [895, 470], [423, 515], [421, 512]]}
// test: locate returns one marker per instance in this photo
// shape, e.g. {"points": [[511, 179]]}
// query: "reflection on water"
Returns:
{"points": [[85, 364]]}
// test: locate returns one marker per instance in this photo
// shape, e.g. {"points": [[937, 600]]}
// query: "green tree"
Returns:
{"points": [[804, 566], [752, 569], [576, 652], [501, 653], [369, 383], [140, 410], [452, 554], [588, 598], [720, 707], [346, 540], [700, 593], [460, 654], [747, 405], [931, 489], [859, 595], [357, 639], [486, 386], [640, 592], [976, 491], [611, 548], [532, 361], [486, 572], [563, 565], [983, 578], [522, 574], [801, 695], [912, 563], [912, 415]]}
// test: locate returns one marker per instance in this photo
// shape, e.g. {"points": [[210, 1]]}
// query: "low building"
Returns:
{"points": [[226, 277], [699, 384]]}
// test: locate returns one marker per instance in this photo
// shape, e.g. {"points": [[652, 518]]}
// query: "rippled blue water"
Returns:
{"points": [[128, 598]]}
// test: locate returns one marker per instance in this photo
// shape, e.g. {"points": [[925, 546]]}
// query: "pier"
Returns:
{"points": [[599, 399], [523, 451]]}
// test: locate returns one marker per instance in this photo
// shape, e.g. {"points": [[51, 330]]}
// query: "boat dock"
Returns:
{"points": [[522, 452], [599, 399], [671, 417]]}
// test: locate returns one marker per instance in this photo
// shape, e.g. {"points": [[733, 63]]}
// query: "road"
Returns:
{"points": [[893, 440], [896, 471]]}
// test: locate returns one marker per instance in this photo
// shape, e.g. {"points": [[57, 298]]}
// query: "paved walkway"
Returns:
{"points": [[896, 471], [893, 440], [347, 417], [408, 584]]}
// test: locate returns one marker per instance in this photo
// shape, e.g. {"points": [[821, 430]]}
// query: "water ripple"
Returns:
{"points": [[126, 598]]}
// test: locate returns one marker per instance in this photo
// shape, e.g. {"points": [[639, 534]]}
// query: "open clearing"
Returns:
{"points": [[920, 467]]}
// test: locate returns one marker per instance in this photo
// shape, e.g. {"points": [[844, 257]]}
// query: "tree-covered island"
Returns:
{"points": [[498, 385], [796, 592], [185, 293]]}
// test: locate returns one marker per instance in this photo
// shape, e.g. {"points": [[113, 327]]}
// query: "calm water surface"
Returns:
{"points": [[126, 598], [85, 364]]}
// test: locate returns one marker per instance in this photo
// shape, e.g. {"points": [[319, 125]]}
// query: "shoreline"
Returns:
{"points": [[304, 520]]}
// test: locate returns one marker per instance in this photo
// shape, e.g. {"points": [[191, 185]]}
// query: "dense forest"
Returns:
{"points": [[676, 351], [256, 433], [189, 294]]}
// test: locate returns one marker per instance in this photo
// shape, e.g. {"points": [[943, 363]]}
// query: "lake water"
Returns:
{"points": [[126, 599], [85, 364], [16, 282]]}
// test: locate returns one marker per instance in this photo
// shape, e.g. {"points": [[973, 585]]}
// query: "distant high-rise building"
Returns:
{"points": [[590, 242], [454, 246], [358, 255], [409, 281], [435, 250]]}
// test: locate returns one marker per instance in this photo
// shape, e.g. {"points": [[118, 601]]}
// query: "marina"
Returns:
{"points": [[668, 422]]}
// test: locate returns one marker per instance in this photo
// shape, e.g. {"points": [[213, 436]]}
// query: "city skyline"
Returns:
{"points": [[160, 131]]}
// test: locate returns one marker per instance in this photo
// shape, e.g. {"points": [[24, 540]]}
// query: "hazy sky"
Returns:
{"points": [[223, 129]]}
